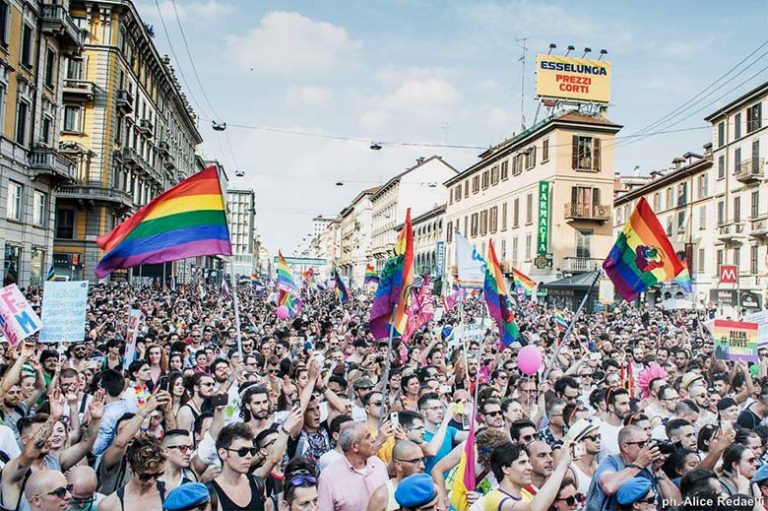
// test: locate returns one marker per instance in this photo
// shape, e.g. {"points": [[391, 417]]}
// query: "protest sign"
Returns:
{"points": [[735, 340], [761, 318], [17, 319], [64, 305], [133, 332]]}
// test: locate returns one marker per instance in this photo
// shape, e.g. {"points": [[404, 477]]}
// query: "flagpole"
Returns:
{"points": [[387, 366], [568, 331], [237, 309]]}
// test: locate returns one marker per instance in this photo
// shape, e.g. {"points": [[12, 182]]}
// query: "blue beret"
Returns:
{"points": [[415, 490], [761, 475], [185, 497], [633, 490]]}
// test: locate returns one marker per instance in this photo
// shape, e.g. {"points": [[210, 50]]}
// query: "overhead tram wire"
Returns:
{"points": [[195, 102], [693, 99]]}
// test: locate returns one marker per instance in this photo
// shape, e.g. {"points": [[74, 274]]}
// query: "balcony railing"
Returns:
{"points": [[146, 127], [587, 212], [580, 264], [163, 148], [95, 190], [752, 169], [78, 89], [730, 231], [125, 101], [170, 162], [130, 156], [759, 227], [45, 161], [57, 22]]}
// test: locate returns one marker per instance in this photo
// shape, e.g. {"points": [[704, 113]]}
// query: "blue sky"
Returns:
{"points": [[401, 70]]}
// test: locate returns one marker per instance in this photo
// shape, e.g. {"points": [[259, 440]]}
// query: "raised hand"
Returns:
{"points": [[96, 406], [56, 404]]}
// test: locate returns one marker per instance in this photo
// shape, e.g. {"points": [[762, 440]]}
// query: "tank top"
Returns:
{"points": [[392, 504], [160, 488], [257, 496]]}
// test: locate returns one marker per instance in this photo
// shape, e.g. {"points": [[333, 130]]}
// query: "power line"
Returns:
{"points": [[178, 62]]}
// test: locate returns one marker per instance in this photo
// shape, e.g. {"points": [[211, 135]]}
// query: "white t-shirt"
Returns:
{"points": [[609, 439]]}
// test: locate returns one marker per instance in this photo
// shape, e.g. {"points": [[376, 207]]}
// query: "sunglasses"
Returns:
{"points": [[302, 480], [649, 500], [527, 438], [593, 438], [414, 460], [181, 448], [493, 414], [640, 444], [146, 477], [571, 501], [244, 451], [61, 492]]}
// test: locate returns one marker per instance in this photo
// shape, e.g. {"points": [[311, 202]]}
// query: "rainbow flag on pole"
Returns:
{"points": [[188, 220], [291, 302], [464, 480], [392, 299], [683, 279], [285, 280], [498, 301], [524, 285], [560, 321], [341, 289], [370, 274], [642, 256]]}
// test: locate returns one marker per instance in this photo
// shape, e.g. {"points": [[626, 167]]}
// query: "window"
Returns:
{"points": [[737, 209], [514, 251], [737, 256], [72, 118], [545, 151], [505, 170], [657, 201], [494, 175], [669, 201], [701, 263], [475, 184], [530, 158], [466, 188], [528, 241], [753, 260], [503, 249], [493, 221], [458, 192], [702, 217], [736, 159], [39, 208], [474, 225], [21, 122], [45, 135], [669, 227], [721, 167], [65, 223], [737, 126], [5, 16], [755, 156], [504, 216], [15, 193], [682, 194], [720, 213], [485, 180], [75, 68], [721, 134], [681, 221], [50, 68], [755, 206], [719, 259], [529, 209], [754, 117], [703, 186], [26, 46], [484, 222], [584, 243], [586, 153], [516, 213], [466, 221], [517, 164]]}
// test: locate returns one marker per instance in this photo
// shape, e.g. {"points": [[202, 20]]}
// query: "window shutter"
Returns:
{"points": [[596, 154], [575, 155], [574, 195], [595, 196], [533, 156]]}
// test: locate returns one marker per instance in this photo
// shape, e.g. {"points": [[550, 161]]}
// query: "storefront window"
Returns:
{"points": [[11, 265], [36, 269]]}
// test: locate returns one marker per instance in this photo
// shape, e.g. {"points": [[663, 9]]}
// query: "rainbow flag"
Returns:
{"points": [[370, 274], [524, 285], [188, 220], [285, 280], [341, 289], [291, 302], [310, 278], [498, 301], [560, 321], [464, 480], [51, 273], [392, 299], [683, 279], [642, 256]]}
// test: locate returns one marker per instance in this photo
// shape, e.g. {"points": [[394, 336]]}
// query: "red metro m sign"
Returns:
{"points": [[729, 273]]}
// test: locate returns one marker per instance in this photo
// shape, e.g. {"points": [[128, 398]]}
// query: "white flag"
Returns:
{"points": [[471, 267]]}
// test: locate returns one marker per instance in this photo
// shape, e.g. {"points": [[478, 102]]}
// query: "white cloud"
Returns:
{"points": [[288, 42], [308, 95], [423, 92], [187, 11]]}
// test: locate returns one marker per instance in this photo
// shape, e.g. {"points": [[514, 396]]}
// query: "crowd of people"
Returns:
{"points": [[631, 411]]}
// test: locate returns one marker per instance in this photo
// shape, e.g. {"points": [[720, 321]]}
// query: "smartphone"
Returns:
{"points": [[219, 400], [394, 419], [162, 384], [578, 450], [445, 389]]}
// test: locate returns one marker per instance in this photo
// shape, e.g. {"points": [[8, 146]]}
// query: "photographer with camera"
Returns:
{"points": [[638, 457]]}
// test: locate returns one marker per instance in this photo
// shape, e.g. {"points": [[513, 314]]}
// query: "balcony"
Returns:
{"points": [[759, 227], [93, 191], [146, 127], [57, 22], [170, 162], [124, 101], [580, 264], [78, 90], [130, 157], [587, 212], [47, 162], [163, 148], [751, 170], [730, 232]]}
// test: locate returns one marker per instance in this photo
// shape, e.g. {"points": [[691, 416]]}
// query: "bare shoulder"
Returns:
{"points": [[109, 503]]}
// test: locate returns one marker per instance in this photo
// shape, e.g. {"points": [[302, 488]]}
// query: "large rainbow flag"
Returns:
{"points": [[524, 285], [341, 289], [188, 220], [285, 280], [370, 274], [464, 480], [497, 299], [392, 299], [642, 256]]}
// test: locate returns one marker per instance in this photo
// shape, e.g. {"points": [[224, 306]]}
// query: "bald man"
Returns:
{"points": [[46, 490], [408, 459], [84, 482]]}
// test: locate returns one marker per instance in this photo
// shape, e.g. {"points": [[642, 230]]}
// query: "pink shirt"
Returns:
{"points": [[342, 488]]}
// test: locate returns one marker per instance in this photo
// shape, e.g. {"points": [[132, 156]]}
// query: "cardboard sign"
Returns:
{"points": [[761, 318], [134, 320], [17, 319], [64, 305], [735, 340]]}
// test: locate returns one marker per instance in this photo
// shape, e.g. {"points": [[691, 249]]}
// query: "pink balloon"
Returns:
{"points": [[529, 360], [282, 312]]}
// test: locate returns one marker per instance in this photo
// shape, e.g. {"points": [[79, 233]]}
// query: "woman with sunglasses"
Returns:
{"points": [[567, 498]]}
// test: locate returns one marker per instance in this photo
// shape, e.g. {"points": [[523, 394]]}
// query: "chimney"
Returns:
{"points": [[677, 162], [420, 160], [708, 150]]}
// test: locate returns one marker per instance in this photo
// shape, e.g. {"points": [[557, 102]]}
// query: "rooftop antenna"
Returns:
{"points": [[522, 59], [602, 52], [445, 127], [586, 50], [570, 49]]}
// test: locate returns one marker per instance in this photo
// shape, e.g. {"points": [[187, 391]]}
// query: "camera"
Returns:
{"points": [[667, 447]]}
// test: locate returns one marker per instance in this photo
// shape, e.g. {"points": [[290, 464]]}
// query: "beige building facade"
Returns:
{"points": [[355, 238]]}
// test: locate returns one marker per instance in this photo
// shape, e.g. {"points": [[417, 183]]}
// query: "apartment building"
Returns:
{"points": [[355, 237], [241, 213], [428, 242]]}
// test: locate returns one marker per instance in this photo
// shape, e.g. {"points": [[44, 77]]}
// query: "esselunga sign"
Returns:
{"points": [[573, 78]]}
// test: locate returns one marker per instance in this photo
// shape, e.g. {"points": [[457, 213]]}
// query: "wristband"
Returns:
{"points": [[282, 427], [322, 390], [634, 465]]}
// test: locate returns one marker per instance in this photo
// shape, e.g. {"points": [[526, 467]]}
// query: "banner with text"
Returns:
{"points": [[17, 319], [542, 235], [761, 318], [735, 340], [64, 305]]}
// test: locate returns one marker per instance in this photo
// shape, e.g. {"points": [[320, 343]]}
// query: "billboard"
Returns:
{"points": [[573, 78]]}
